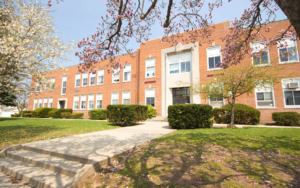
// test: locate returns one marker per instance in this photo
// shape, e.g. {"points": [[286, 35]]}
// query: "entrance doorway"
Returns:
{"points": [[181, 95], [62, 104]]}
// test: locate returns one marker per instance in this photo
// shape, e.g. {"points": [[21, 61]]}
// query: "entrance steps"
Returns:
{"points": [[158, 119]]}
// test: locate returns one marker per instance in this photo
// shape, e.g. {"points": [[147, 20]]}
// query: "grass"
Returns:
{"points": [[18, 130], [249, 157]]}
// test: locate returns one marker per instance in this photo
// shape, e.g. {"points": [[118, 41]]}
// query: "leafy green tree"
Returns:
{"points": [[7, 99]]}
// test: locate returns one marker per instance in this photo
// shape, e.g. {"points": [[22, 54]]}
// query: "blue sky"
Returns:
{"points": [[76, 19]]}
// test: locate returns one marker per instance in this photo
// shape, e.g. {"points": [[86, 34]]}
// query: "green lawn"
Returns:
{"points": [[249, 157], [18, 130]]}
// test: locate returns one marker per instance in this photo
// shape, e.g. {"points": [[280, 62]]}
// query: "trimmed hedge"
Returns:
{"points": [[25, 112], [286, 118], [52, 112], [15, 115], [190, 116], [77, 116], [243, 114], [56, 113], [98, 114], [126, 115], [27, 115], [41, 112], [151, 111], [65, 114]]}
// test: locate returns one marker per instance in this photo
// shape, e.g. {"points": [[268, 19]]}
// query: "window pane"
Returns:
{"points": [[256, 61], [64, 84], [150, 71], [127, 76], [115, 101], [85, 81], [260, 96], [174, 68], [268, 95], [126, 101], [265, 103], [116, 77], [83, 104], [183, 67], [292, 53], [93, 81], [283, 55], [297, 97], [211, 62], [100, 79], [265, 58], [188, 66], [288, 95], [99, 104], [217, 62], [150, 101]]}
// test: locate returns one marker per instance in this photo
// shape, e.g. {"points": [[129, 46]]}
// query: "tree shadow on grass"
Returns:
{"points": [[9, 119]]}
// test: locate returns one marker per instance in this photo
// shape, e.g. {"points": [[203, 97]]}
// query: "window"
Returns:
{"points": [[91, 101], [84, 79], [214, 57], [64, 85], [92, 79], [40, 102], [50, 102], [52, 83], [99, 101], [259, 55], [186, 66], [77, 80], [100, 76], [291, 92], [150, 67], [83, 102], [264, 97], [174, 68], [127, 73], [37, 86], [216, 102], [45, 102], [126, 97], [179, 63], [116, 76], [150, 96], [35, 104], [288, 51], [76, 102], [292, 98], [115, 98]]}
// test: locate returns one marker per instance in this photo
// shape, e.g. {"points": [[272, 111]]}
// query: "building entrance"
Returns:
{"points": [[181, 95], [62, 104]]}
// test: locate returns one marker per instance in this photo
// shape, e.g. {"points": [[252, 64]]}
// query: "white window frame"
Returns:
{"points": [[99, 97], [50, 102], [284, 88], [82, 98], [76, 99], [64, 79], [45, 101], [77, 77], [264, 90], [85, 75], [126, 69], [125, 97], [40, 102], [150, 96], [211, 102], [90, 80], [91, 97], [116, 72], [35, 104], [180, 58], [207, 59], [256, 47], [112, 94], [100, 73], [52, 85], [295, 45], [148, 61]]}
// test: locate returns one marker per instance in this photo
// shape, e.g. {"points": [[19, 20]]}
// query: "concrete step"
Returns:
{"points": [[55, 164], [158, 119], [35, 176], [5, 183]]}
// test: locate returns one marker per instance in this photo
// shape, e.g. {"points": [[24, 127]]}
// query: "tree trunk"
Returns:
{"points": [[231, 125], [291, 8]]}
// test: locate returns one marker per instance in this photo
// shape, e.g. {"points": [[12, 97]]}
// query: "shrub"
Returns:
{"points": [[98, 114], [286, 118], [190, 116], [52, 112], [151, 111], [25, 112], [243, 114], [41, 112], [126, 115], [65, 114], [57, 112], [27, 115], [15, 115], [77, 115]]}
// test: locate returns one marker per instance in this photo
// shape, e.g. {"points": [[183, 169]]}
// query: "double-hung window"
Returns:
{"points": [[84, 79], [260, 54], [116, 76], [50, 104], [150, 96], [76, 102], [100, 77], [40, 102], [127, 73], [35, 104], [150, 67], [115, 98], [83, 102], [291, 92], [214, 57], [264, 97], [52, 84], [45, 102], [126, 97], [77, 79], [288, 51], [92, 79], [99, 101], [64, 85], [179, 63], [91, 101]]}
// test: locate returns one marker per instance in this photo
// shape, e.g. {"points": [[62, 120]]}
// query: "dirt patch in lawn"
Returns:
{"points": [[176, 164]]}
